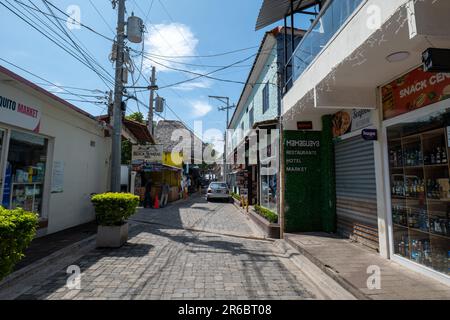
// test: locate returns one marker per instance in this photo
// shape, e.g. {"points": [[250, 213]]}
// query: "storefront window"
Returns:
{"points": [[269, 192], [420, 189], [2, 134], [27, 159]]}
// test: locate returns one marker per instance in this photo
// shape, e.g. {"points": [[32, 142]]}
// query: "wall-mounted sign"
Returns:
{"points": [[347, 121], [370, 134], [16, 112], [304, 125], [150, 153], [414, 90], [303, 180], [58, 177]]}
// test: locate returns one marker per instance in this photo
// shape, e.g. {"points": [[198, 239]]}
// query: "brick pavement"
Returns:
{"points": [[170, 263], [198, 214]]}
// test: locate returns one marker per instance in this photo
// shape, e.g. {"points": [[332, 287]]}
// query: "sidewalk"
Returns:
{"points": [[47, 245], [347, 263]]}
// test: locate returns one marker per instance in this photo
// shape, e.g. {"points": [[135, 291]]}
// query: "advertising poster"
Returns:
{"points": [[414, 90], [347, 121]]}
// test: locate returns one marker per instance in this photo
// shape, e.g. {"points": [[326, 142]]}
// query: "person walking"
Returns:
{"points": [[148, 194], [164, 194]]}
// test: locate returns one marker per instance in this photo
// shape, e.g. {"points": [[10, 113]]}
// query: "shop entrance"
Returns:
{"points": [[25, 172], [2, 138]]}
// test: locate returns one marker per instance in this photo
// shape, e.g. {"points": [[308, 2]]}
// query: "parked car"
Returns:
{"points": [[218, 191]]}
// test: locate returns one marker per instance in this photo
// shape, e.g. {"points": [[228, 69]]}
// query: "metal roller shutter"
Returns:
{"points": [[356, 197]]}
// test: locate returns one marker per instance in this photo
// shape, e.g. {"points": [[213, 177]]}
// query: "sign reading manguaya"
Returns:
{"points": [[415, 90]]}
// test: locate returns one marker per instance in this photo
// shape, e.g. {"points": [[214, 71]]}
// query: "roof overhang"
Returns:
{"points": [[275, 10]]}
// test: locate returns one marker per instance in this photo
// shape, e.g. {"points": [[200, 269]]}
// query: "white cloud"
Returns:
{"points": [[173, 39], [201, 83], [200, 109]]}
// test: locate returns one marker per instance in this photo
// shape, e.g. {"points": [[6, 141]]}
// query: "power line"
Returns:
{"points": [[102, 17], [43, 79], [44, 34], [68, 19], [202, 56], [70, 87], [85, 53]]}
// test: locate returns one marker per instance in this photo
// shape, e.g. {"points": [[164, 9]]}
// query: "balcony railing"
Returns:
{"points": [[327, 24]]}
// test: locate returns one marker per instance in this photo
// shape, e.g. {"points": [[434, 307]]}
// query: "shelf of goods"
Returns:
{"points": [[420, 189]]}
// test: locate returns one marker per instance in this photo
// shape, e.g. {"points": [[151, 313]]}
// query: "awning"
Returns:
{"points": [[275, 10]]}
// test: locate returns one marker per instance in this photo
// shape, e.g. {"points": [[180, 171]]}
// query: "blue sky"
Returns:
{"points": [[175, 28]]}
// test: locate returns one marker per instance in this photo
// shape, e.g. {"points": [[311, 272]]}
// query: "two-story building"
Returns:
{"points": [[259, 108], [359, 80]]}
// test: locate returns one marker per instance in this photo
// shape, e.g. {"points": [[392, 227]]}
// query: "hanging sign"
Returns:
{"points": [[150, 153], [370, 134], [414, 90], [18, 113]]}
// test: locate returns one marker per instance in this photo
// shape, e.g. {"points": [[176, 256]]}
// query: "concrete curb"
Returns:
{"points": [[329, 271], [325, 287]]}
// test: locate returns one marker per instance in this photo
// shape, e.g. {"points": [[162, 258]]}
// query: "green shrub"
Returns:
{"points": [[267, 214], [17, 230], [113, 209], [236, 196]]}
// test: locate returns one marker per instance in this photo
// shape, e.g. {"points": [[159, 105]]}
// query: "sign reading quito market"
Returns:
{"points": [[415, 90], [303, 189], [17, 113]]}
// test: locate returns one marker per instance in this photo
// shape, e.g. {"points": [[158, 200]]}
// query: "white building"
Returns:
{"points": [[53, 156]]}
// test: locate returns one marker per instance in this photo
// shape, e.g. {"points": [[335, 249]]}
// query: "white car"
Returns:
{"points": [[218, 191]]}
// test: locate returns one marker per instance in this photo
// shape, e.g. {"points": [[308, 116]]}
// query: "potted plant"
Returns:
{"points": [[112, 211]]}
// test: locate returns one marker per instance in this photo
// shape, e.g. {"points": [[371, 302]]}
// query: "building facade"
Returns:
{"points": [[258, 109], [53, 156], [358, 73]]}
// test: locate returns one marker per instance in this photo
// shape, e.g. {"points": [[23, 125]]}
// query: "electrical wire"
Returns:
{"points": [[85, 53], [102, 17], [43, 79], [69, 19], [24, 18]]}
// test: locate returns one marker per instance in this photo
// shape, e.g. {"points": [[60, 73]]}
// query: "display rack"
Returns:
{"points": [[419, 169], [31, 202]]}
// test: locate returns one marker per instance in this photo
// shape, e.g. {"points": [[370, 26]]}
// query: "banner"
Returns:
{"points": [[18, 113], [414, 90]]}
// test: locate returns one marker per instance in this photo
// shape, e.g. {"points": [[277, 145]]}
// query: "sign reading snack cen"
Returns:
{"points": [[414, 90]]}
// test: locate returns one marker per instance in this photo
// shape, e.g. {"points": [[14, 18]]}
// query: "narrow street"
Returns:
{"points": [[165, 260]]}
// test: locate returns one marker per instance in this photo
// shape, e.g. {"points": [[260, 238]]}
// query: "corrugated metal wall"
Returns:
{"points": [[356, 202]]}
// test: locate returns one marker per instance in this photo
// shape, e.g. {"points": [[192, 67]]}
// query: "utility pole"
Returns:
{"points": [[227, 109], [116, 155], [152, 101]]}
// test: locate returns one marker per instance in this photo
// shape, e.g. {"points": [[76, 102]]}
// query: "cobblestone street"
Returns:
{"points": [[165, 261]]}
